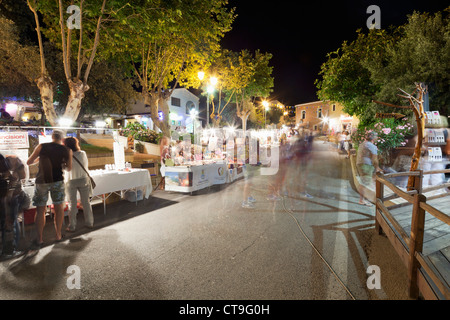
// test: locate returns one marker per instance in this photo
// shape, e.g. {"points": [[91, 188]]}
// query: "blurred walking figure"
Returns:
{"points": [[53, 157], [302, 151], [347, 143], [367, 165], [12, 171], [78, 181]]}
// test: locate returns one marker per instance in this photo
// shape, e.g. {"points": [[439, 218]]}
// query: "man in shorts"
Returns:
{"points": [[53, 157]]}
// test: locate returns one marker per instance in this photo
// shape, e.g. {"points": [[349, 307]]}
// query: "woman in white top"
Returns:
{"points": [[77, 180]]}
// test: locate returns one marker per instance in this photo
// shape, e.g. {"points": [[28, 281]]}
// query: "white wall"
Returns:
{"points": [[187, 101]]}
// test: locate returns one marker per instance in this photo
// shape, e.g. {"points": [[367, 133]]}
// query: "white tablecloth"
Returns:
{"points": [[114, 181]]}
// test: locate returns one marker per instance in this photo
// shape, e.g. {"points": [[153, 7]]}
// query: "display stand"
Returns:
{"points": [[188, 179]]}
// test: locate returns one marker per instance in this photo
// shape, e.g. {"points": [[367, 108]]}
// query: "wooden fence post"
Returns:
{"points": [[416, 243], [417, 184], [379, 194]]}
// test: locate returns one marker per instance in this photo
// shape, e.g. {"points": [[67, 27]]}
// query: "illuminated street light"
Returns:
{"points": [[210, 90], [193, 115], [213, 81]]}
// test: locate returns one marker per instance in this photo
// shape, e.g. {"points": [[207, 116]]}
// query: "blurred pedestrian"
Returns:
{"points": [[53, 158], [165, 154], [12, 171], [302, 150], [367, 165], [78, 181], [347, 143]]}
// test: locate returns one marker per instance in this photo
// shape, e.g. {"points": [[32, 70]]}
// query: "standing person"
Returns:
{"points": [[165, 153], [12, 171], [347, 143], [367, 164], [78, 180], [53, 157]]}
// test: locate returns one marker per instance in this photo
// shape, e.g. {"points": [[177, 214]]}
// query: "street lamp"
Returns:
{"points": [[210, 90], [193, 114], [266, 108]]}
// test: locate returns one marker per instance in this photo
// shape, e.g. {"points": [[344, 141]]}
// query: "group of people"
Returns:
{"points": [[295, 153], [53, 158]]}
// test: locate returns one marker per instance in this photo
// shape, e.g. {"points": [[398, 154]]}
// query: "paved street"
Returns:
{"points": [[206, 246]]}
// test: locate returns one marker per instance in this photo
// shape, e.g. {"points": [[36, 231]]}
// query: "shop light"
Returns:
{"points": [[11, 108], [100, 124], [65, 122]]}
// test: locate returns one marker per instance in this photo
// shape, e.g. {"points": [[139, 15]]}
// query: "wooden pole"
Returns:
{"points": [[379, 195], [415, 244]]}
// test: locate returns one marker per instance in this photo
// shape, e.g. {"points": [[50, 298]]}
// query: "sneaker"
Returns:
{"points": [[14, 254], [251, 199], [273, 197], [246, 204], [306, 195]]}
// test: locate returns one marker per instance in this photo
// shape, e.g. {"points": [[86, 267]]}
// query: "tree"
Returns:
{"points": [[84, 48], [376, 64], [168, 42], [18, 63], [242, 76], [345, 77], [422, 55]]}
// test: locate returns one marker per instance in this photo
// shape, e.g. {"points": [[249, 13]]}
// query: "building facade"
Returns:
{"points": [[324, 116], [181, 102]]}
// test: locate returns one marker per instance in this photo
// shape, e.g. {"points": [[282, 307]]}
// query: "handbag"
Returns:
{"points": [[93, 185]]}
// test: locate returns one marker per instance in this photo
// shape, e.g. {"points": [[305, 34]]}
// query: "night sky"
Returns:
{"points": [[299, 34]]}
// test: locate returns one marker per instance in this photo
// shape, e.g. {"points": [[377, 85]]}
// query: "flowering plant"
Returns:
{"points": [[141, 133], [391, 133]]}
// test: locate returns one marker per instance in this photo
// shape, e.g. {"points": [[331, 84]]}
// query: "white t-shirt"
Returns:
{"points": [[365, 152], [77, 171]]}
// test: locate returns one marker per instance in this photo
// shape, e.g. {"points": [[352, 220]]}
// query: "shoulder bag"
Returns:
{"points": [[90, 178]]}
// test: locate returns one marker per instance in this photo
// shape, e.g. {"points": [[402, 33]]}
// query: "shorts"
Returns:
{"points": [[366, 173], [57, 192]]}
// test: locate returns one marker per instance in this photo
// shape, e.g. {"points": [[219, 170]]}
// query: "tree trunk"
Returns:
{"points": [[77, 89], [45, 86], [158, 103], [216, 120]]}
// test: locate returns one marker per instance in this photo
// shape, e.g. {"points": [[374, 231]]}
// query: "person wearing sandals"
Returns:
{"points": [[78, 180]]}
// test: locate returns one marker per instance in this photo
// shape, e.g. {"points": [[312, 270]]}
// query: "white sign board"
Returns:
{"points": [[11, 140], [119, 156]]}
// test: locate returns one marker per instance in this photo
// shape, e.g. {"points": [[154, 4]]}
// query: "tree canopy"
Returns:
{"points": [[379, 62]]}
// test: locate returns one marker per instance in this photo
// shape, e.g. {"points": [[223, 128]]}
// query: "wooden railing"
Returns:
{"points": [[409, 247]]}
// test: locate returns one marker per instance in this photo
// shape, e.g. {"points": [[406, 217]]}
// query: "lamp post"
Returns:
{"points": [[209, 89], [266, 108], [193, 114]]}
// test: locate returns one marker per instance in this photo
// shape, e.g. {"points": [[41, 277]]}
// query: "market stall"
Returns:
{"points": [[110, 182]]}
